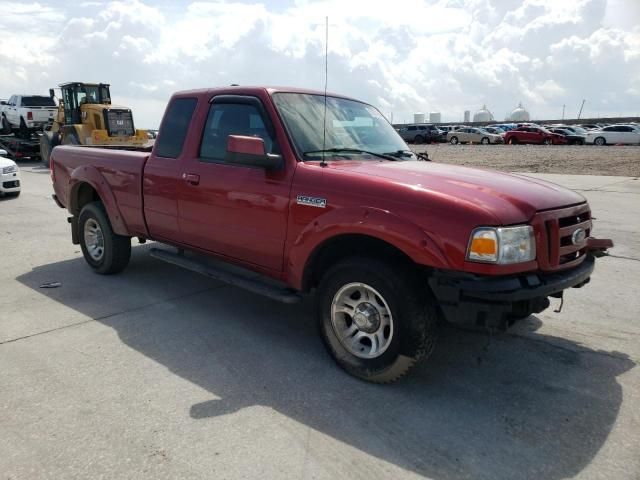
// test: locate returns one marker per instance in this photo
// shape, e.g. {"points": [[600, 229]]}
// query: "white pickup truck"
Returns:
{"points": [[24, 114]]}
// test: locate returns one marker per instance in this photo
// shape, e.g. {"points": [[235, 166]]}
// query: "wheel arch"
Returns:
{"points": [[371, 232], [86, 185]]}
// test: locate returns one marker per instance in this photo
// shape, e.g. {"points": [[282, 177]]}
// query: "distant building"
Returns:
{"points": [[467, 116], [519, 114], [435, 117], [418, 118], [483, 115]]}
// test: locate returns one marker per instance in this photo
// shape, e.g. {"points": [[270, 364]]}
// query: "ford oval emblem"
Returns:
{"points": [[578, 236]]}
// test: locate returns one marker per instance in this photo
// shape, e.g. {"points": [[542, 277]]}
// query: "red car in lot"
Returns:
{"points": [[534, 135]]}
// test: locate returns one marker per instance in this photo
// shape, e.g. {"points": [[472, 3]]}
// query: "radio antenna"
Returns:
{"points": [[326, 76]]}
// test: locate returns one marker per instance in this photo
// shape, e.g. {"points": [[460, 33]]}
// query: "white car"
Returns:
{"points": [[614, 134], [9, 176]]}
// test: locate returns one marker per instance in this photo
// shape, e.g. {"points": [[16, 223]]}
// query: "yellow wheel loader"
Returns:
{"points": [[87, 117]]}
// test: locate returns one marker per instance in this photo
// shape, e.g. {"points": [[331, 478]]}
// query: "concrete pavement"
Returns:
{"points": [[161, 373]]}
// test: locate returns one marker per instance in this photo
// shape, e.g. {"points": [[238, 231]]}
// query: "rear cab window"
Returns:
{"points": [[37, 101], [175, 125]]}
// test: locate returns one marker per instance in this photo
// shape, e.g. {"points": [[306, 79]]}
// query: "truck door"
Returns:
{"points": [[11, 111], [163, 171], [229, 209]]}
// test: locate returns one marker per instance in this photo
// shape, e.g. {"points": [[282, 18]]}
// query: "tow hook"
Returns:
{"points": [[598, 247]]}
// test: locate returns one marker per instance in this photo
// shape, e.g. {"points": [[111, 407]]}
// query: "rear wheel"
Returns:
{"points": [[376, 320], [600, 141], [23, 131], [6, 126], [454, 140], [513, 141], [547, 141], [105, 251], [418, 140]]}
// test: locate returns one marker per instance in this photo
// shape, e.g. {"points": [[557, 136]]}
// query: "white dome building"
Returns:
{"points": [[519, 114], [483, 115]]}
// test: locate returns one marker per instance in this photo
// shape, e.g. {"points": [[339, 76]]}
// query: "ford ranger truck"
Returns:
{"points": [[258, 188]]}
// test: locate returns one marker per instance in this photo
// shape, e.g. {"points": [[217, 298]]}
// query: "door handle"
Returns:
{"points": [[191, 178]]}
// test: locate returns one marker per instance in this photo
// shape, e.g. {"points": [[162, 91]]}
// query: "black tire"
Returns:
{"points": [[419, 139], [23, 131], [453, 141], [513, 141], [13, 194], [600, 141], [413, 316], [116, 248], [485, 141], [6, 126], [48, 141]]}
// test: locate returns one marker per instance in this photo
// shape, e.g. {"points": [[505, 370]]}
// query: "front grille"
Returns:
{"points": [[119, 123], [556, 229], [11, 184]]}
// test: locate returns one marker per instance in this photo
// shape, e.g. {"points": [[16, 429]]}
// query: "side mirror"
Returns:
{"points": [[3, 153], [51, 93], [250, 151]]}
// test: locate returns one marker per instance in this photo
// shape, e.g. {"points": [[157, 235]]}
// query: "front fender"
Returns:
{"points": [[407, 237], [91, 176]]}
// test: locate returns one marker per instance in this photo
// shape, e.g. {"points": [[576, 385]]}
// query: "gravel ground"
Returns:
{"points": [[563, 159]]}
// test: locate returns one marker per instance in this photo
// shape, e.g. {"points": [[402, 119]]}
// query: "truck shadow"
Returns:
{"points": [[508, 406]]}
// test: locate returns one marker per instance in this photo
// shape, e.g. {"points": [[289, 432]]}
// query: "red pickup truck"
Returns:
{"points": [[312, 193]]}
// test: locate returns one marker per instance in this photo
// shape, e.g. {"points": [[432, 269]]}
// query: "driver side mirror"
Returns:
{"points": [[250, 151], [52, 93], [3, 153]]}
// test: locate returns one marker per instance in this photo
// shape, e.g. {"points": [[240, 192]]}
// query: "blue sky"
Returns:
{"points": [[404, 57]]}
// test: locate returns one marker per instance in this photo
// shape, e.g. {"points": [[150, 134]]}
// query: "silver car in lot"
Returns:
{"points": [[473, 135]]}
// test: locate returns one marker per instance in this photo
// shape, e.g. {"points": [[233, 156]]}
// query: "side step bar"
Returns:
{"points": [[255, 285]]}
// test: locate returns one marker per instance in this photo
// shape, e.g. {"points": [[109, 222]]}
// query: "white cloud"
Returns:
{"points": [[410, 56]]}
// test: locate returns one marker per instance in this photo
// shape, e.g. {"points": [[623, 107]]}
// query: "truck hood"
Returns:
{"points": [[509, 198]]}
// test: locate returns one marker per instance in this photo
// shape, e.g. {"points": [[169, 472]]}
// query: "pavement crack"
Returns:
{"points": [[622, 257], [110, 315]]}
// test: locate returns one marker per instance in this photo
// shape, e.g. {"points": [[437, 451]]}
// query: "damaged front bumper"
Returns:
{"points": [[497, 302]]}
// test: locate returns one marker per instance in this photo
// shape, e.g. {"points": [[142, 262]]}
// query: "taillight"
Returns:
{"points": [[29, 115]]}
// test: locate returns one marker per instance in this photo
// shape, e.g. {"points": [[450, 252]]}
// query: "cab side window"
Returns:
{"points": [[175, 125], [233, 119]]}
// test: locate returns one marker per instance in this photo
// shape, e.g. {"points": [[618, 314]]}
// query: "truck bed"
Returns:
{"points": [[121, 170]]}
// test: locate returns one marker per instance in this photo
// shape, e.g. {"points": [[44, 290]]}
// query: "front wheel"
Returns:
{"points": [[513, 141], [600, 141], [105, 251], [546, 141], [418, 140], [454, 140], [376, 320], [484, 141]]}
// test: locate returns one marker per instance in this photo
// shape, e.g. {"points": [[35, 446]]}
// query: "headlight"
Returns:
{"points": [[502, 245], [9, 169]]}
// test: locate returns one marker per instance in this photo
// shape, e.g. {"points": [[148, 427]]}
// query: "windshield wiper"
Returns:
{"points": [[351, 150], [399, 153]]}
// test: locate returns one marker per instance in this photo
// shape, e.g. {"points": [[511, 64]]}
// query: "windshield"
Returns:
{"points": [[38, 101], [350, 125]]}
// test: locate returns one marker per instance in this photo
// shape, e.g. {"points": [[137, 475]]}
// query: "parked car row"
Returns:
{"points": [[523, 133]]}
